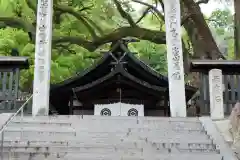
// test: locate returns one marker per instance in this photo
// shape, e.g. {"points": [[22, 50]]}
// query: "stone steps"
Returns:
{"points": [[19, 132], [115, 156], [103, 138], [26, 123], [102, 119], [111, 128], [126, 144], [133, 124], [120, 131], [107, 142], [121, 118], [110, 140], [121, 149], [67, 137]]}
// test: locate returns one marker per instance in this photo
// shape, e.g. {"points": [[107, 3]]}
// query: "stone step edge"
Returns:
{"points": [[127, 138], [41, 122], [204, 154], [136, 125], [103, 121], [81, 144], [38, 129], [73, 154], [118, 142], [139, 129], [92, 133], [194, 119], [64, 150]]}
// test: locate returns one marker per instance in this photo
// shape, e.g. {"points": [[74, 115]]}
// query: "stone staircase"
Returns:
{"points": [[110, 138]]}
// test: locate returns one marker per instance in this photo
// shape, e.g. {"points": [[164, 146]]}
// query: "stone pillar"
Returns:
{"points": [[175, 58], [42, 58], [216, 94]]}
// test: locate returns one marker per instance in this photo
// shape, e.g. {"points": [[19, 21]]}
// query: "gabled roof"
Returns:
{"points": [[82, 73], [105, 59], [119, 70], [97, 72]]}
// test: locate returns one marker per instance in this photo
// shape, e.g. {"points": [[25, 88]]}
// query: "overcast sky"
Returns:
{"points": [[207, 9], [213, 5]]}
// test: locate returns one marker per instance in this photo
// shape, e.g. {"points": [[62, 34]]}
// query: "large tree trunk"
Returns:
{"points": [[237, 28], [203, 43], [199, 32]]}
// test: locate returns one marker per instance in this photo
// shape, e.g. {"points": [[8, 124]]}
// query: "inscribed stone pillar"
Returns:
{"points": [[216, 94], [42, 58], [175, 58]]}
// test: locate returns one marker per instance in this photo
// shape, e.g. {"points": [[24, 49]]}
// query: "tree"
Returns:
{"points": [[62, 54], [76, 26], [236, 26], [99, 36], [221, 23]]}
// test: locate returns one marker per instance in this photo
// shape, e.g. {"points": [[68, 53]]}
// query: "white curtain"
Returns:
{"points": [[119, 109]]}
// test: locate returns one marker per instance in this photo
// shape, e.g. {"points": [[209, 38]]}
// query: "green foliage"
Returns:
{"points": [[221, 19], [152, 54], [69, 59], [221, 24], [231, 50]]}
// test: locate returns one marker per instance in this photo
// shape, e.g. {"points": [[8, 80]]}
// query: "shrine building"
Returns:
{"points": [[119, 84]]}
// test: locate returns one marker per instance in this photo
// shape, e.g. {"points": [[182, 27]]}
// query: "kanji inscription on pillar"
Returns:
{"points": [[175, 58], [216, 94], [42, 58]]}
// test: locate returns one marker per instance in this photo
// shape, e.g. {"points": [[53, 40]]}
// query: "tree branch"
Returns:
{"points": [[70, 10], [162, 4], [184, 18], [150, 6], [124, 14], [86, 8], [143, 15], [92, 23], [73, 40], [157, 37], [16, 22], [137, 32], [202, 2], [61, 48], [32, 6]]}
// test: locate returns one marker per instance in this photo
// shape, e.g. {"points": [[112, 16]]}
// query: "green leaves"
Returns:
{"points": [[102, 16], [221, 19], [152, 54], [67, 59], [221, 24]]}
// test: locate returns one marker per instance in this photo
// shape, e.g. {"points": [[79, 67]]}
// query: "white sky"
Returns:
{"points": [[207, 9], [213, 5]]}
